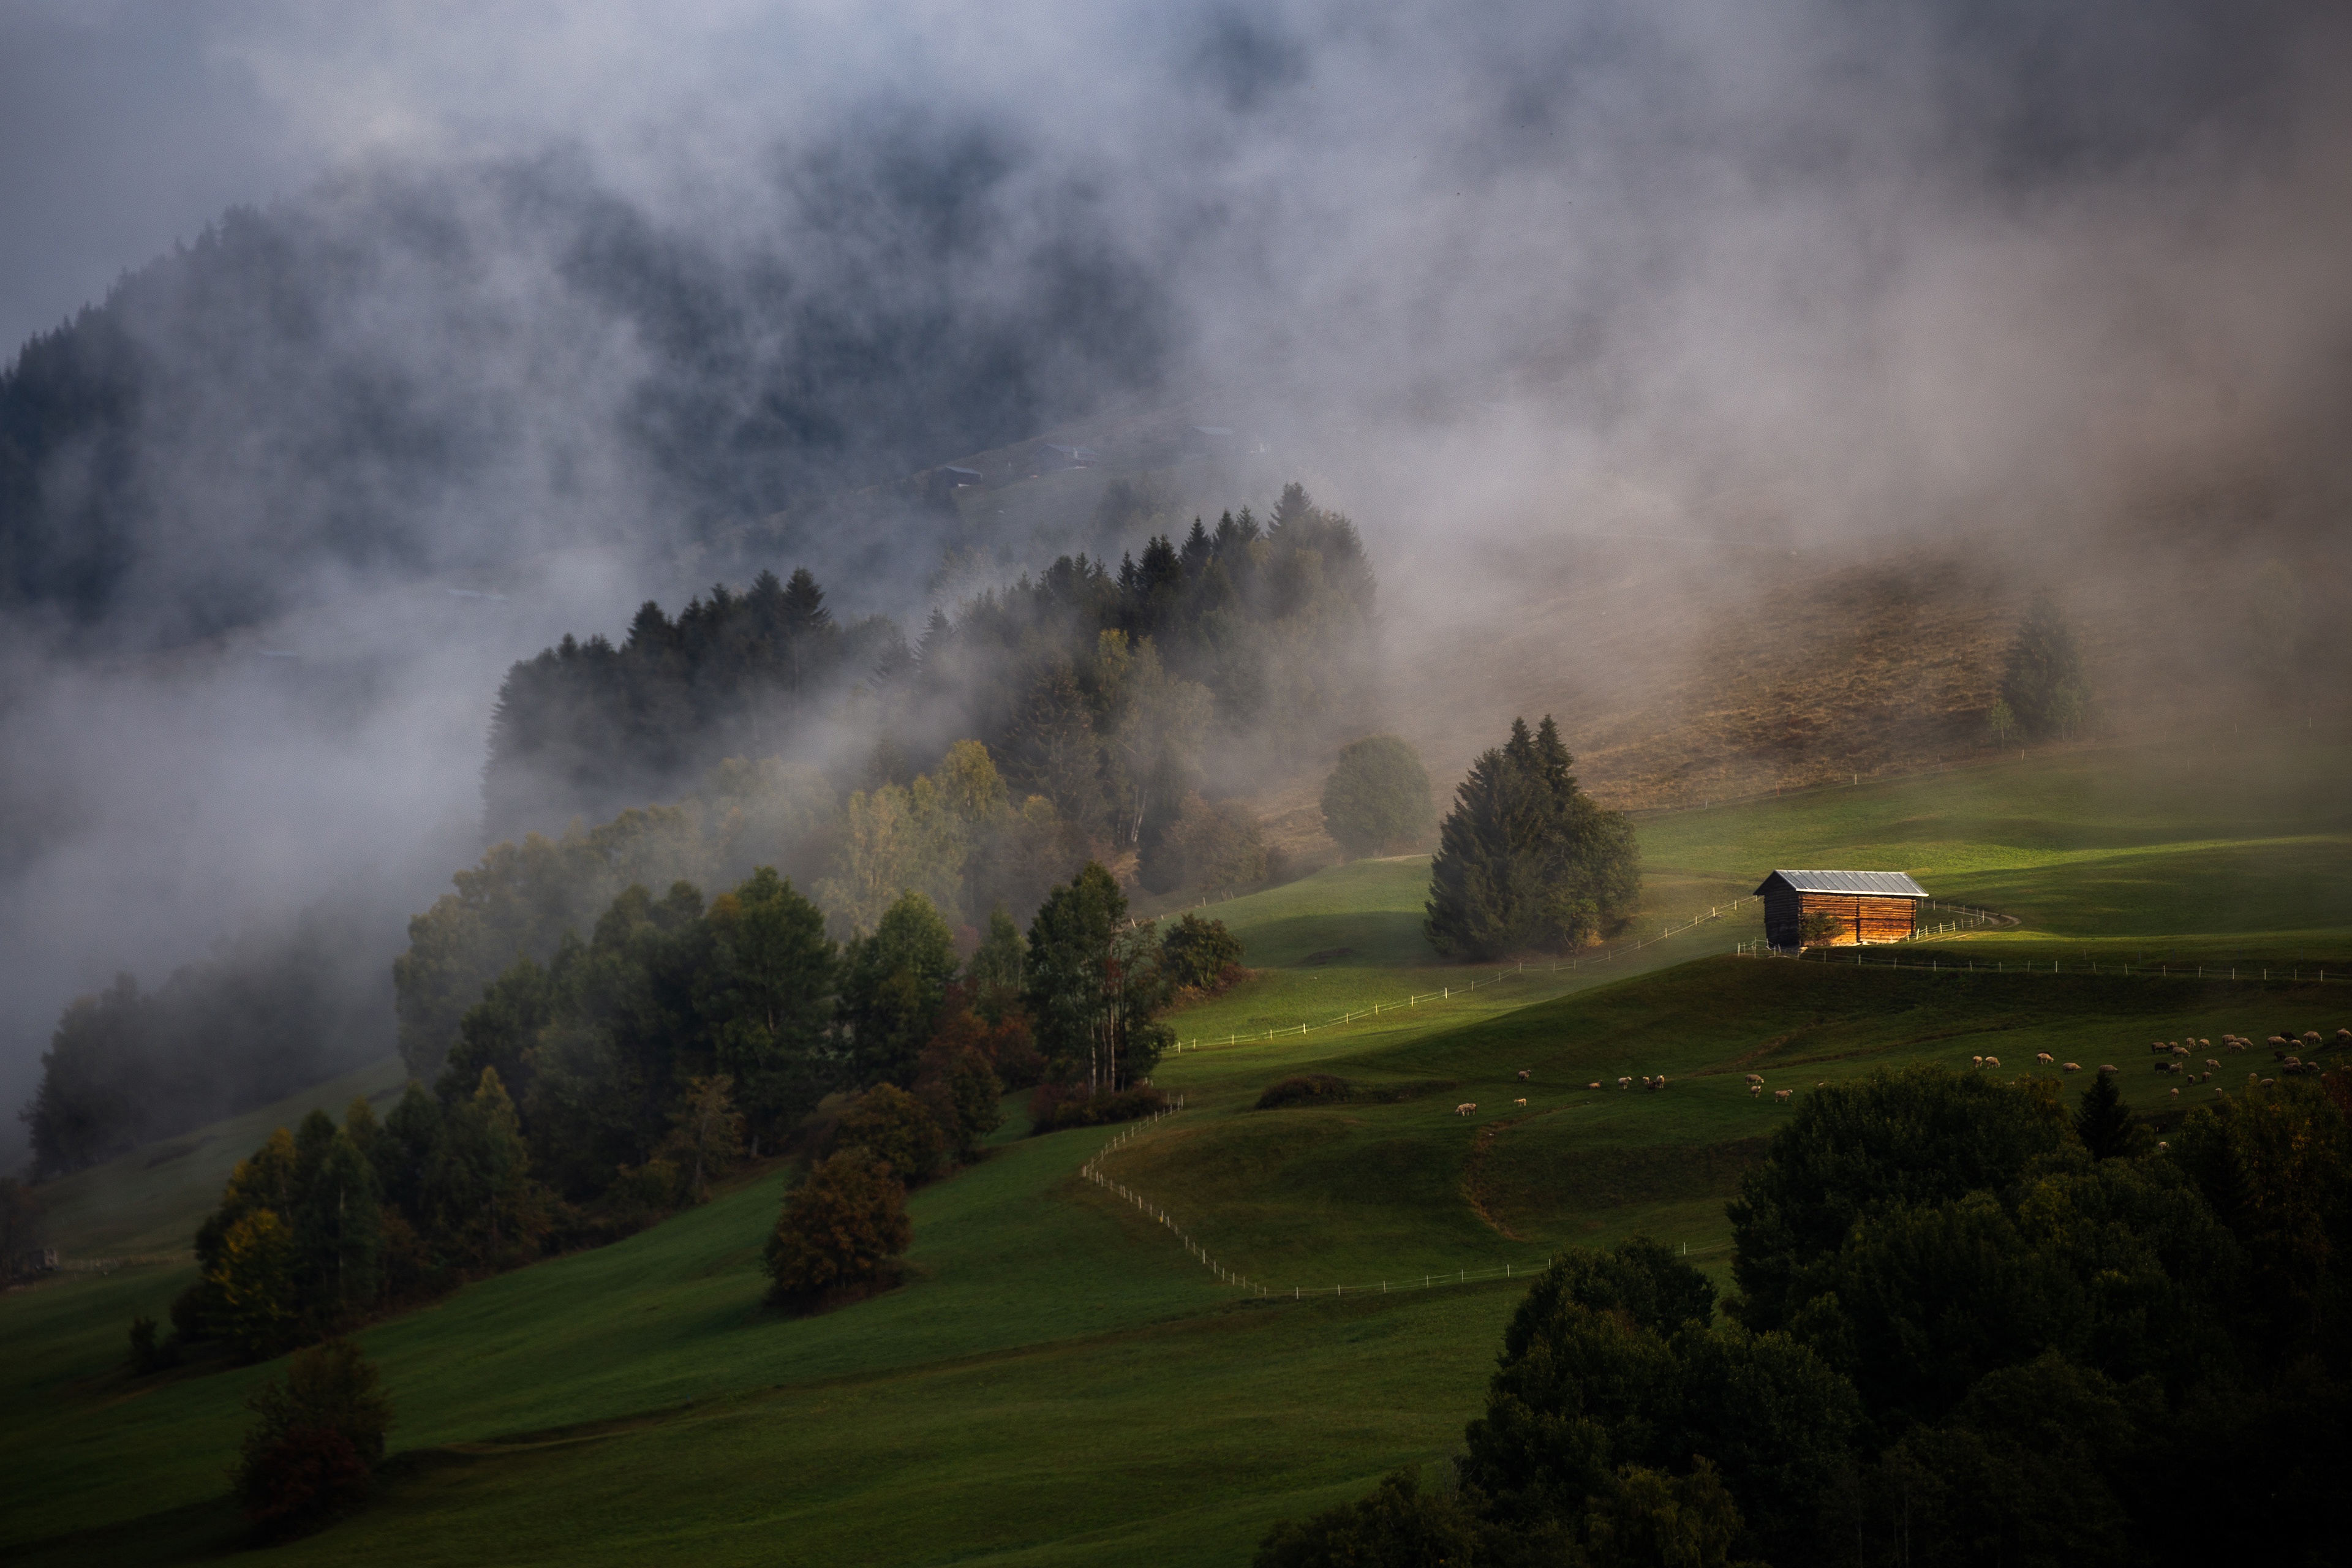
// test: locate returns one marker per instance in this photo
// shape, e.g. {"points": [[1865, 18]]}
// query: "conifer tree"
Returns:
{"points": [[2042, 683], [2103, 1121], [1525, 861]]}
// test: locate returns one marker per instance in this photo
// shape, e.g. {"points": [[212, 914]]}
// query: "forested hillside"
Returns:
{"points": [[1108, 693], [346, 380]]}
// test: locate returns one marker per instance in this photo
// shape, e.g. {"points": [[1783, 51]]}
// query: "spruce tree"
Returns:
{"points": [[2042, 680], [2104, 1122], [1525, 861]]}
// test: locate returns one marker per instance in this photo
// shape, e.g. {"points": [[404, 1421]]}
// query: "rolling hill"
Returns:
{"points": [[1062, 1380]]}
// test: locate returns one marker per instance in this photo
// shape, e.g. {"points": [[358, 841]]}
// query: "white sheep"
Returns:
{"points": [[2044, 1057], [1594, 1084], [1465, 1108], [1754, 1089], [1522, 1104], [1782, 1095], [2074, 1067], [1625, 1083], [1993, 1061]]}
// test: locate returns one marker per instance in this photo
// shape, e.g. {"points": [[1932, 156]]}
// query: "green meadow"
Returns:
{"points": [[1060, 1380]]}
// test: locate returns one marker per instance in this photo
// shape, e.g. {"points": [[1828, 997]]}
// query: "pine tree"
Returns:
{"points": [[2104, 1122], [1526, 861], [2042, 682]]}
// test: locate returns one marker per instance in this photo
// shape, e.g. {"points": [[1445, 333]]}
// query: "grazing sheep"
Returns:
{"points": [[2074, 1067], [2311, 1037], [2107, 1067], [1755, 1089], [2044, 1057], [2163, 1148], [1524, 1072], [1993, 1061], [1782, 1095], [1975, 1061], [1658, 1083], [2158, 1045], [1465, 1108], [1522, 1104], [2212, 1062], [2344, 1037], [2276, 1042], [2174, 1092], [1594, 1084], [2234, 1044], [1823, 1084], [2204, 1045], [1625, 1083], [2269, 1082], [1755, 1077]]}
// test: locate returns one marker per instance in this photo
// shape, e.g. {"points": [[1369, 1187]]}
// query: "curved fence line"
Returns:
{"points": [[1260, 1289], [1446, 993], [2245, 973]]}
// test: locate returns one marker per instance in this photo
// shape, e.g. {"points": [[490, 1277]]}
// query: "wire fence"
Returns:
{"points": [[1446, 993], [1261, 1290], [1944, 963]]}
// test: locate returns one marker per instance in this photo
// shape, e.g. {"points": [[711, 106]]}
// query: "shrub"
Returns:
{"points": [[1056, 1108], [1201, 955], [1377, 798], [1307, 1088], [1399, 1523], [839, 1229], [1818, 929], [146, 1354], [318, 1436], [898, 1129], [962, 1093]]}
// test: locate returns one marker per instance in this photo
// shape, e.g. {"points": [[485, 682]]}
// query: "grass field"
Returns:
{"points": [[1060, 1380]]}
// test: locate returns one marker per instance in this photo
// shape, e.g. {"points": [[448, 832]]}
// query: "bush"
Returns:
{"points": [[320, 1435], [1399, 1524], [1201, 955], [1305, 1089], [1056, 1108], [1377, 798], [838, 1231], [962, 1093], [898, 1129], [146, 1354]]}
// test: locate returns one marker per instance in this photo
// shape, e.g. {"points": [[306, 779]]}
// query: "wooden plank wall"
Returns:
{"points": [[1866, 919]]}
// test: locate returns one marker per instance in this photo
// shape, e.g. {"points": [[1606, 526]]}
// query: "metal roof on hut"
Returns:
{"points": [[1879, 884]]}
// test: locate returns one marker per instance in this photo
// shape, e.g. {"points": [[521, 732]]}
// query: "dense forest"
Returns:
{"points": [[1107, 691], [1972, 1327], [279, 1006], [389, 349], [1105, 701], [588, 1095]]}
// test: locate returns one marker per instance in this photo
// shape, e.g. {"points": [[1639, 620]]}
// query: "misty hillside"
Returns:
{"points": [[455, 367]]}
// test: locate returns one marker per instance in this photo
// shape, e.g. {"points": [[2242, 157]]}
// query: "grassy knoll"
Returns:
{"points": [[1059, 1380], [2146, 850]]}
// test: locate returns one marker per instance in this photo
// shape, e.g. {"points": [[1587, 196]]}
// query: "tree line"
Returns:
{"points": [[589, 1095], [1969, 1328], [271, 1011], [1100, 690]]}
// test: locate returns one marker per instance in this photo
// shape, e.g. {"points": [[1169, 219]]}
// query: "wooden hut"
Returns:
{"points": [[1869, 906]]}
